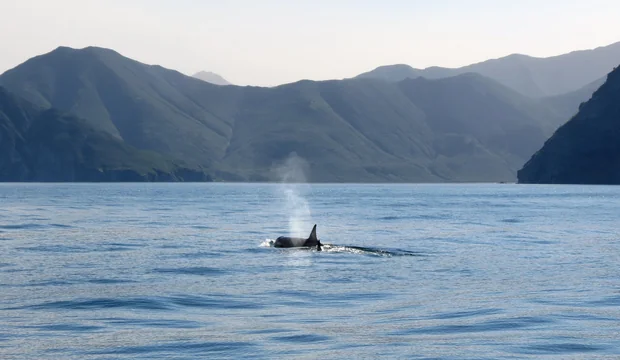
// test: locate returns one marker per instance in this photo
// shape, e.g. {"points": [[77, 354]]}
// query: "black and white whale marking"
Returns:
{"points": [[287, 242]]}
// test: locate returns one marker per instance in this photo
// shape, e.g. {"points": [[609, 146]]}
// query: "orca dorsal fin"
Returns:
{"points": [[313, 234]]}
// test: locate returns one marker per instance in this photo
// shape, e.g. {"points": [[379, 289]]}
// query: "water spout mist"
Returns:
{"points": [[293, 186]]}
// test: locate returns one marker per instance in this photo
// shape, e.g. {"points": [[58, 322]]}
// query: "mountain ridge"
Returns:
{"points": [[585, 150], [357, 129], [531, 76]]}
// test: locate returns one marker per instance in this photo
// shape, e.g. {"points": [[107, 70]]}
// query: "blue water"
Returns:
{"points": [[108, 271]]}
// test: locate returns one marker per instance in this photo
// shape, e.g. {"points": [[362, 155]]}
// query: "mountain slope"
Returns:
{"points": [[130, 100], [346, 130], [46, 145], [211, 77], [530, 76], [466, 128], [508, 125], [565, 106], [586, 150]]}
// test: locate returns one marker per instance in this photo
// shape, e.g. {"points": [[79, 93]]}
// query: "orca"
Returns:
{"points": [[288, 242]]}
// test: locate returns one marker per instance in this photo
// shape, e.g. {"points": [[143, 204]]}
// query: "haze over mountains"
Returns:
{"points": [[461, 128], [530, 76]]}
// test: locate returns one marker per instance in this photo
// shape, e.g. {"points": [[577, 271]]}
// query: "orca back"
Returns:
{"points": [[287, 242]]}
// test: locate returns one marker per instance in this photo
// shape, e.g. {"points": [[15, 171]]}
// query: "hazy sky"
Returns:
{"points": [[269, 42]]}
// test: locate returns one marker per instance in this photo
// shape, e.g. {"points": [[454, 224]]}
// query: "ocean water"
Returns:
{"points": [[185, 271]]}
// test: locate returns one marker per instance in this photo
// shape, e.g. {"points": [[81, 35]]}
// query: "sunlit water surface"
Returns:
{"points": [[106, 271]]}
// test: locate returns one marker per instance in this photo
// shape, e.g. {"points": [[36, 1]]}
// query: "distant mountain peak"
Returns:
{"points": [[531, 76], [92, 49], [211, 77]]}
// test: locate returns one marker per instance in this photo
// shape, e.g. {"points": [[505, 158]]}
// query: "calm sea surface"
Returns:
{"points": [[185, 271]]}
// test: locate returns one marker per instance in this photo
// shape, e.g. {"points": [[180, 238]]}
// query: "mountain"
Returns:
{"points": [[464, 128], [148, 107], [586, 150], [368, 130], [211, 77], [530, 76], [470, 106], [399, 72], [47, 145], [567, 105]]}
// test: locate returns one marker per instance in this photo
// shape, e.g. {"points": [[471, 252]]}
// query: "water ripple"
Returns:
{"points": [[199, 270], [66, 327], [146, 303], [302, 338], [102, 303], [464, 314], [27, 226], [558, 349], [211, 348], [54, 248], [156, 323], [213, 301], [485, 326]]}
